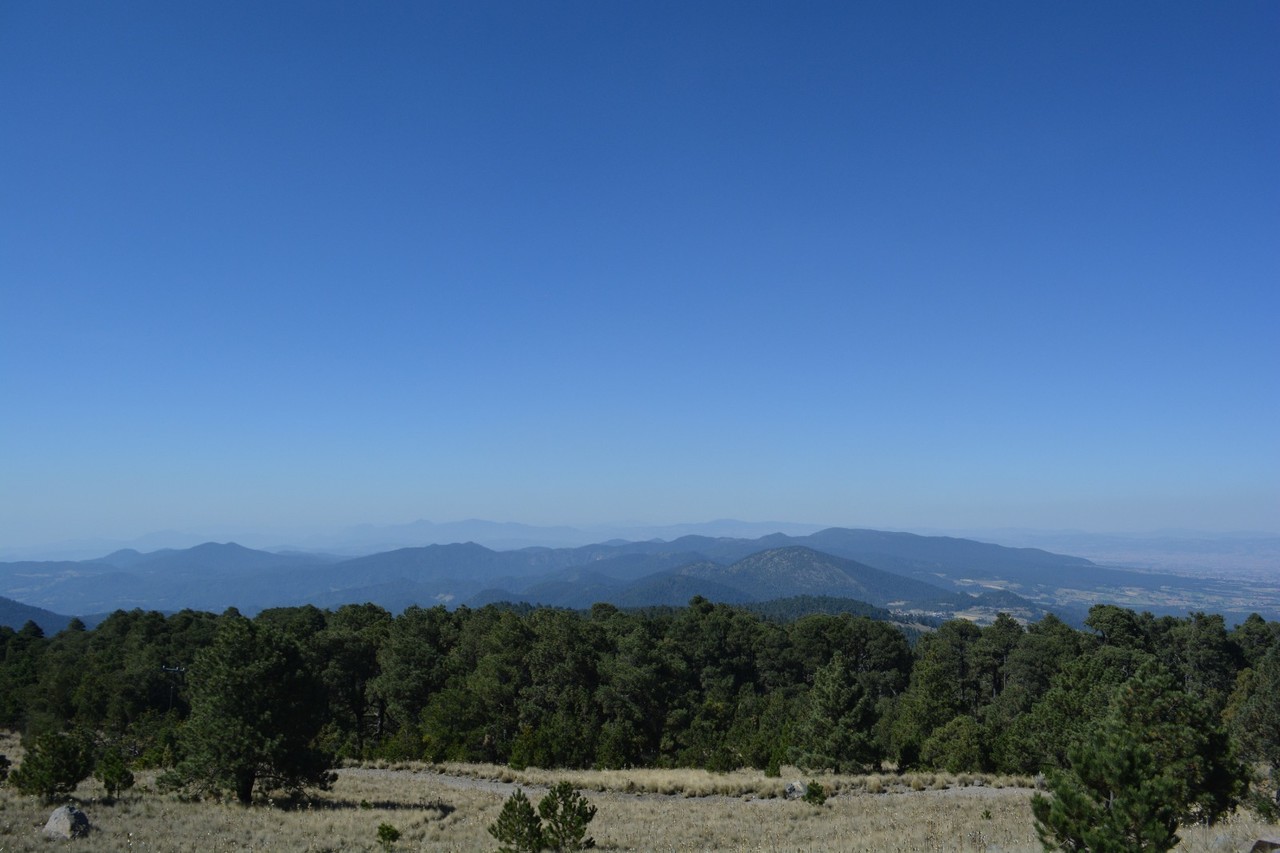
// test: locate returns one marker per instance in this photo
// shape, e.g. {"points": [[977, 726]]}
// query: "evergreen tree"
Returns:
{"points": [[565, 814], [1254, 717], [1154, 762], [836, 730], [943, 686], [255, 714], [517, 828], [113, 771], [1112, 799], [54, 765]]}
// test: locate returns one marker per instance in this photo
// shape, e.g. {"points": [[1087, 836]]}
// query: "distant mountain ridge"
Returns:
{"points": [[364, 539], [925, 574]]}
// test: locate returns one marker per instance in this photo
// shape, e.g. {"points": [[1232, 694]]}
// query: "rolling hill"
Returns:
{"points": [[923, 574], [15, 614]]}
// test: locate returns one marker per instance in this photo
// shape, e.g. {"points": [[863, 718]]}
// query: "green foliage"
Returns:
{"points": [[557, 715], [814, 793], [798, 606], [1199, 652], [943, 686], [1117, 626], [1254, 637], [113, 771], [239, 706], [560, 822], [346, 660], [955, 747], [565, 814], [836, 730], [1154, 762], [23, 657], [153, 738], [517, 829], [1076, 701], [4, 768], [255, 713], [1254, 712], [1112, 799], [476, 716], [388, 835], [54, 765]]}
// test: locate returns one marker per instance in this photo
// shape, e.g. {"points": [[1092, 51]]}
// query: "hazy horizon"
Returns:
{"points": [[928, 267], [1140, 547]]}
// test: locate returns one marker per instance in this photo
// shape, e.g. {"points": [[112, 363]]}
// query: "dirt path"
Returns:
{"points": [[465, 782], [448, 780]]}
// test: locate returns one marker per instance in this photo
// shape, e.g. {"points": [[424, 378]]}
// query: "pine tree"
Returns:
{"points": [[113, 771], [562, 826], [566, 814], [1112, 799], [54, 765], [836, 731], [255, 713], [1156, 761], [517, 828]]}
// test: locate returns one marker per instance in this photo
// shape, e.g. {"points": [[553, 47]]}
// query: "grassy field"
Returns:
{"points": [[448, 807]]}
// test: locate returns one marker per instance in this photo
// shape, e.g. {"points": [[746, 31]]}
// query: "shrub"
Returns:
{"points": [[4, 768], [113, 772], [566, 814], [562, 826], [388, 835], [56, 763], [814, 793], [517, 828]]}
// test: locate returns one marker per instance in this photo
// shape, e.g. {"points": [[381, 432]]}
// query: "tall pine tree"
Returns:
{"points": [[255, 713], [1156, 761]]}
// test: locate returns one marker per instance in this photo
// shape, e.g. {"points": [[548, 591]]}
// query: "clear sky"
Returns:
{"points": [[899, 264]]}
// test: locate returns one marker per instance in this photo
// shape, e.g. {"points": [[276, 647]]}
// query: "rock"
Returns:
{"points": [[67, 822], [794, 790], [1265, 845]]}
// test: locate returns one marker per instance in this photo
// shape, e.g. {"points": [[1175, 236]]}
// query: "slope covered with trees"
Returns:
{"points": [[242, 706]]}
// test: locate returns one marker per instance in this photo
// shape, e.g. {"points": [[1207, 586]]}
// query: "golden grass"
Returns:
{"points": [[448, 807]]}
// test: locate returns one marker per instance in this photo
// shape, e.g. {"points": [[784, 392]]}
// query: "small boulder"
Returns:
{"points": [[67, 822], [794, 790]]}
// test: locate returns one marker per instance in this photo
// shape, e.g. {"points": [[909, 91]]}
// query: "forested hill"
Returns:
{"points": [[943, 576], [703, 685], [15, 614]]}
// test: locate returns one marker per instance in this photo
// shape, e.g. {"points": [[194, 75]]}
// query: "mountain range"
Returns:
{"points": [[931, 575]]}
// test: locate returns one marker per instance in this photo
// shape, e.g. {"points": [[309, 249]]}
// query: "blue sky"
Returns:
{"points": [[908, 265]]}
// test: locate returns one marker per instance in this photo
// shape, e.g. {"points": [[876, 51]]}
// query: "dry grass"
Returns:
{"points": [[638, 810], [11, 746], [699, 783]]}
